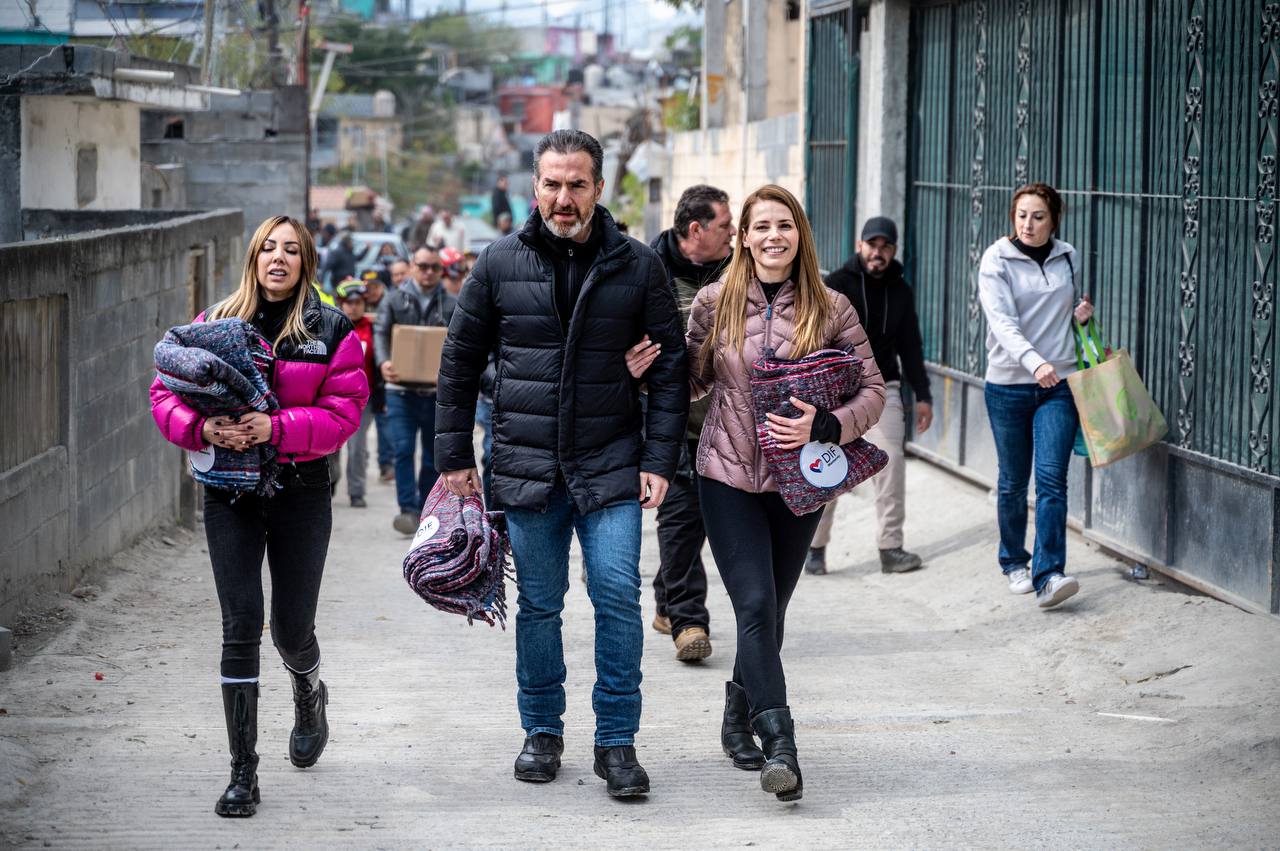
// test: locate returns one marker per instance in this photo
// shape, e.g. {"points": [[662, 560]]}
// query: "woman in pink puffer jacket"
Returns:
{"points": [[772, 298], [319, 380]]}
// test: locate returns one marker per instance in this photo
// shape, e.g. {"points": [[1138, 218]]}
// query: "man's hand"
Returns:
{"points": [[924, 417], [653, 490], [641, 356], [793, 432], [389, 372], [462, 482]]}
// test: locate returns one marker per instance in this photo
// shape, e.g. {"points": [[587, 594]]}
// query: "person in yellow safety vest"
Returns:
{"points": [[324, 296]]}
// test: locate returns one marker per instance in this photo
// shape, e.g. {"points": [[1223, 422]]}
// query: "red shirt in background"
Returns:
{"points": [[364, 330]]}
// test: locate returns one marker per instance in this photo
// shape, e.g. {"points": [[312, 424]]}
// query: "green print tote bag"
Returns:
{"points": [[1118, 417]]}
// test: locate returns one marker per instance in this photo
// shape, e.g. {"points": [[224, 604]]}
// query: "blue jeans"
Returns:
{"points": [[610, 539], [484, 419], [1028, 421], [411, 419]]}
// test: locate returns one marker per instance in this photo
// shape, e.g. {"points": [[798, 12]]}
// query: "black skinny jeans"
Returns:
{"points": [[292, 528], [680, 585], [760, 547]]}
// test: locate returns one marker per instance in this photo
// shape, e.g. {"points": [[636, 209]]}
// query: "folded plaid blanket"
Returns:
{"points": [[457, 561], [222, 368], [813, 475]]}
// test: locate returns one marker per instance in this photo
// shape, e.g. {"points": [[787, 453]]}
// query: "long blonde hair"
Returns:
{"points": [[812, 305], [243, 303]]}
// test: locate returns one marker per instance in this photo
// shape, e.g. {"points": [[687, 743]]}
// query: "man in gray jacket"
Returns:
{"points": [[411, 407]]}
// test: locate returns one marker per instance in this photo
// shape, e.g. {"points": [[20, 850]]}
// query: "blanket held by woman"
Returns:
{"points": [[222, 368], [813, 475]]}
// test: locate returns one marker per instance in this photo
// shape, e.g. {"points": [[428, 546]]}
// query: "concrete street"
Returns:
{"points": [[933, 710]]}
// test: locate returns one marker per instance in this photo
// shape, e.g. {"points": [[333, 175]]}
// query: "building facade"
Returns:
{"points": [[1158, 123]]}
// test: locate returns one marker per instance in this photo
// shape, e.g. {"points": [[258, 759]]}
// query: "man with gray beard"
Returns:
{"points": [[561, 302]]}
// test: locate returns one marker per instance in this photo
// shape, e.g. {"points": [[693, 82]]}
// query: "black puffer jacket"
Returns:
{"points": [[562, 402]]}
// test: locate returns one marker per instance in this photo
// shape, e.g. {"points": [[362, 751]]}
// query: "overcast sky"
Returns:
{"points": [[636, 21]]}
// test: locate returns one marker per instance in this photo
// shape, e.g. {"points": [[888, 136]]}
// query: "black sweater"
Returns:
{"points": [[887, 310]]}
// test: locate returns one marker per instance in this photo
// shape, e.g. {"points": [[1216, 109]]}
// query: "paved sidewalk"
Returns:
{"points": [[934, 709]]}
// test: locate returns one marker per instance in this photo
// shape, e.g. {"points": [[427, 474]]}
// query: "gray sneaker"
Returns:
{"points": [[405, 523], [1020, 580], [1056, 589], [898, 560]]}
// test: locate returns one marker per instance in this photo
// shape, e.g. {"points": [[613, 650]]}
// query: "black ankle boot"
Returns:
{"points": [[620, 769], [781, 772], [310, 726], [735, 731], [240, 705]]}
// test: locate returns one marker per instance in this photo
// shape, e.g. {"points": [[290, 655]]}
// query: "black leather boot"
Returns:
{"points": [[310, 726], [781, 772], [539, 759], [736, 738], [621, 771], [240, 705]]}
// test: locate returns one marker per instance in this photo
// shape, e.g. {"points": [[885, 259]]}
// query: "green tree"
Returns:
{"points": [[685, 44]]}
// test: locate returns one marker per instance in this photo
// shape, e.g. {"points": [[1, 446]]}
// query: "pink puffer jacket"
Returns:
{"points": [[728, 450], [321, 386]]}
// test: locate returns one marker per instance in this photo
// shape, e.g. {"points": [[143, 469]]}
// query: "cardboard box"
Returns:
{"points": [[415, 352]]}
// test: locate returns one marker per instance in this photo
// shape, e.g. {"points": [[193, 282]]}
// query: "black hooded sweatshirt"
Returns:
{"points": [[887, 310]]}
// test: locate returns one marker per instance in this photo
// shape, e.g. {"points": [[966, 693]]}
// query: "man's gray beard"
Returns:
{"points": [[570, 231]]}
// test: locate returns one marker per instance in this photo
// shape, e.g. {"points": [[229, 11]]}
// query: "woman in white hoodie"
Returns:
{"points": [[1027, 287]]}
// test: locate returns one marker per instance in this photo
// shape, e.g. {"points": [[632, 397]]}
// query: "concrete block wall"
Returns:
{"points": [[247, 152], [114, 477], [737, 159]]}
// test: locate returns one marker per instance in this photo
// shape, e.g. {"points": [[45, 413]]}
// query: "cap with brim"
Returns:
{"points": [[880, 227], [351, 290]]}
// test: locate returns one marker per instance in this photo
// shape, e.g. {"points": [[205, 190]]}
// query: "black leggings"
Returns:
{"points": [[292, 528], [760, 547]]}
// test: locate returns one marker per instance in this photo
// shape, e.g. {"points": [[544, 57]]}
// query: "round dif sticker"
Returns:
{"points": [[823, 465], [426, 529], [202, 461]]}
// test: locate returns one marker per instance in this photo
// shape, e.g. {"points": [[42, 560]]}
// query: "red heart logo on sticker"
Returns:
{"points": [[816, 466]]}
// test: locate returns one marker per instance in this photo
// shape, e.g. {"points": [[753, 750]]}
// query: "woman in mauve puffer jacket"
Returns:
{"points": [[319, 380], [772, 298]]}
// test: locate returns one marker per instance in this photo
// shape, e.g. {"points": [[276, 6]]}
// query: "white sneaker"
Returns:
{"points": [[1020, 580], [1057, 589]]}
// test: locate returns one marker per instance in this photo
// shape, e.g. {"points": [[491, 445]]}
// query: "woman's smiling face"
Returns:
{"points": [[279, 263], [773, 239]]}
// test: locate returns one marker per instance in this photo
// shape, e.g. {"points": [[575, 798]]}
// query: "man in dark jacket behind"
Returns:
{"points": [[695, 253], [872, 281], [561, 301]]}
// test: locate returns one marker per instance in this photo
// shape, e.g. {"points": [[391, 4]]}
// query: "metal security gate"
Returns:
{"points": [[1157, 121], [831, 132]]}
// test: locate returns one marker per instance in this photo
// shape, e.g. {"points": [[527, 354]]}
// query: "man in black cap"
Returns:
{"points": [[872, 281]]}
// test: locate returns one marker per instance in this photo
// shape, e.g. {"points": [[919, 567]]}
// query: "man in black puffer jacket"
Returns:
{"points": [[561, 302]]}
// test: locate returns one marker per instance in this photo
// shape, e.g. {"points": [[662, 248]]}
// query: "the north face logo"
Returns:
{"points": [[315, 347]]}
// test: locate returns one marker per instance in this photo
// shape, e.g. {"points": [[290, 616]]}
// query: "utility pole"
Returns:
{"points": [[331, 49], [267, 8], [206, 64], [304, 80], [304, 44]]}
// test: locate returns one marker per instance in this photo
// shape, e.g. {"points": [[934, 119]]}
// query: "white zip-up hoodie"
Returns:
{"points": [[1028, 310]]}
